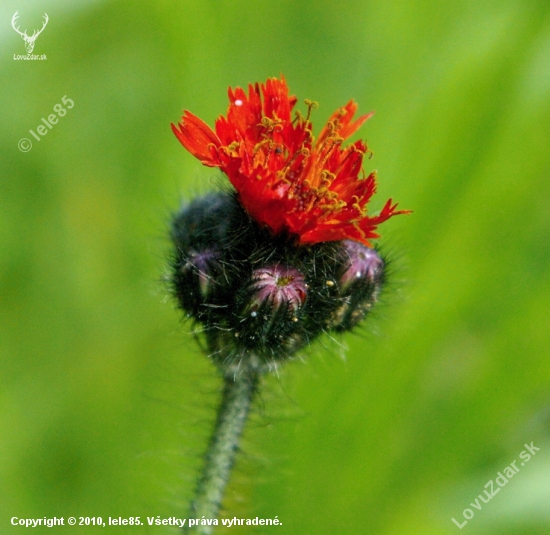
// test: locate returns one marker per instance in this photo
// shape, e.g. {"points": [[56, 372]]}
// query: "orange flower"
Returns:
{"points": [[315, 190]]}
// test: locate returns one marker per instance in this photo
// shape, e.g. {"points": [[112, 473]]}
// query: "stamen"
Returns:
{"points": [[298, 117], [271, 125], [260, 144], [311, 105]]}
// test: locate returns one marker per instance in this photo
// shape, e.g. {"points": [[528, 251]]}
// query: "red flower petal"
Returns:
{"points": [[198, 138], [285, 180]]}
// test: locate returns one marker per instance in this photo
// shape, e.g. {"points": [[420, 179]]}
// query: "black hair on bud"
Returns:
{"points": [[261, 296]]}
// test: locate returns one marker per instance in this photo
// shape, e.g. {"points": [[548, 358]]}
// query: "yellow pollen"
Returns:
{"points": [[326, 178], [284, 281], [233, 146], [356, 205]]}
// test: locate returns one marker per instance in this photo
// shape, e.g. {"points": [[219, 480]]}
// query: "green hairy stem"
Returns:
{"points": [[238, 392]]}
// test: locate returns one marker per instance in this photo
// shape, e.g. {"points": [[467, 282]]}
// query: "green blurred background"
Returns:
{"points": [[106, 400]]}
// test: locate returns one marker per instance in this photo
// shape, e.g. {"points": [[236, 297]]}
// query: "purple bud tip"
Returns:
{"points": [[362, 262], [201, 263], [280, 286]]}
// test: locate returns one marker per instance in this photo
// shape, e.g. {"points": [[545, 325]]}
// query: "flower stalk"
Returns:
{"points": [[237, 397]]}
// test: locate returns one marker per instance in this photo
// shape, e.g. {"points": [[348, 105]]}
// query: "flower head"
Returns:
{"points": [[313, 189]]}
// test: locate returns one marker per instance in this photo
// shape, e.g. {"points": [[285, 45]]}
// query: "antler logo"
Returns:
{"points": [[29, 39]]}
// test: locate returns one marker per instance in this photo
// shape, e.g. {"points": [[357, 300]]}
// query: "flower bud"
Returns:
{"points": [[360, 281], [203, 265], [198, 232], [196, 280], [362, 265], [269, 322], [278, 286]]}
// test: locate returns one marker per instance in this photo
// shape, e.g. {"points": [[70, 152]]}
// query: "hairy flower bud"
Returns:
{"points": [[197, 231], [363, 265], [278, 286], [203, 265], [270, 319], [260, 296], [360, 281]]}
